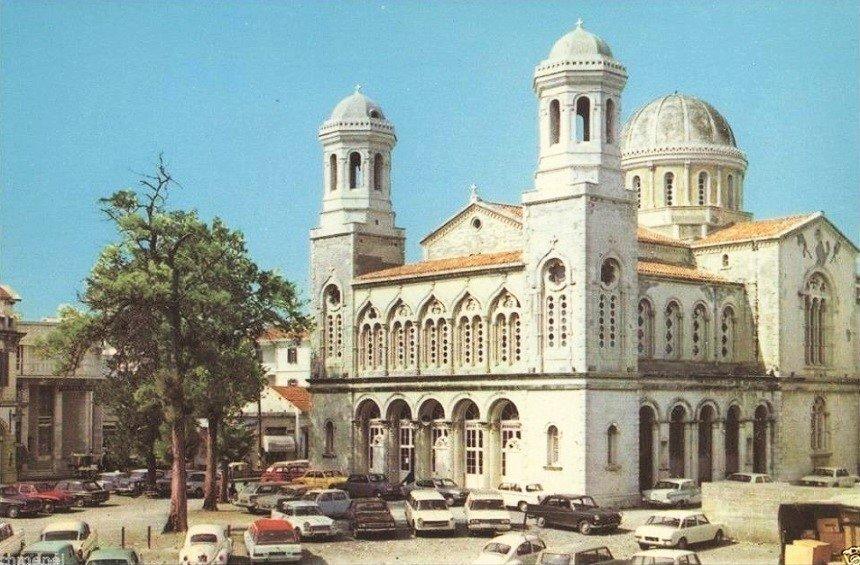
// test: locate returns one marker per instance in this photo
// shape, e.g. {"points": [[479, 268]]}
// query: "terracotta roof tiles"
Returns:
{"points": [[447, 265], [677, 272], [298, 396], [752, 230], [644, 235]]}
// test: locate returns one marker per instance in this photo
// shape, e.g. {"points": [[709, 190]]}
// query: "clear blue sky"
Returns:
{"points": [[234, 93]]}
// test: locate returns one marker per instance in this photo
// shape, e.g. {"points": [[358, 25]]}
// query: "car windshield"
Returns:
{"points": [[822, 472], [91, 485], [496, 547], [39, 557], [585, 501], [533, 487], [306, 511], [651, 560], [203, 538], [60, 535], [664, 521], [432, 505], [310, 496], [276, 536], [666, 484], [555, 559], [43, 488], [487, 504], [107, 562]]}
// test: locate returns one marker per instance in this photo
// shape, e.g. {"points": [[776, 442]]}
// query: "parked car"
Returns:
{"points": [[673, 492], [50, 552], [84, 493], [114, 556], [485, 512], [591, 556], [52, 500], [11, 541], [513, 548], [450, 491], [829, 477], [162, 487], [307, 519], [109, 480], [755, 478], [520, 495], [206, 544], [247, 497], [426, 510], [370, 516], [76, 532], [194, 483], [320, 478], [370, 485], [665, 557], [272, 541], [678, 528], [334, 503], [14, 504], [574, 511], [136, 482], [284, 493], [285, 470]]}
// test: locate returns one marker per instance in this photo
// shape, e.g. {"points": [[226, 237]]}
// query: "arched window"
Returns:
{"points": [[554, 122], [377, 171], [333, 329], [354, 170], [436, 336], [607, 305], [555, 313], [820, 426], [610, 121], [470, 335], [645, 329], [403, 346], [673, 331], [816, 301], [328, 448], [612, 446], [703, 188], [552, 446], [730, 195], [506, 331], [371, 341], [583, 119], [700, 332], [637, 186], [669, 188], [727, 334], [332, 172]]}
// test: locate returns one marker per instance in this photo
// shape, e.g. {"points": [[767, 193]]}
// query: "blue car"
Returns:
{"points": [[114, 556], [50, 552]]}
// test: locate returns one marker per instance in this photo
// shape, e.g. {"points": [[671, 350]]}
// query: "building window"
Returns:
{"points": [[703, 188], [700, 332], [554, 122], [816, 301], [610, 121], [474, 450], [552, 446], [612, 446], [725, 260], [377, 172], [730, 195], [329, 438], [354, 170], [673, 330], [507, 338], [555, 305], [292, 355], [637, 186], [645, 329], [727, 334], [582, 129], [820, 425], [4, 368], [19, 360], [333, 328], [668, 188], [370, 341], [332, 172]]}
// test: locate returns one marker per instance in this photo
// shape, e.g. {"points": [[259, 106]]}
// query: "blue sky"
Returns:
{"points": [[233, 95]]}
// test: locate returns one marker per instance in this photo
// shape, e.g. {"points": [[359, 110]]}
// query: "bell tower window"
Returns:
{"points": [[610, 121], [377, 172], [354, 170], [583, 119], [332, 172], [637, 186], [703, 187], [669, 188], [554, 122]]}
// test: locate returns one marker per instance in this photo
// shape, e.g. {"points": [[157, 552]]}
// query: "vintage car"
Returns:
{"points": [[513, 548], [369, 485], [52, 500], [829, 477], [574, 511], [678, 528], [520, 495], [76, 532], [450, 491], [114, 556], [284, 493], [272, 541], [84, 493], [665, 557], [195, 482], [485, 512], [754, 478], [284, 471], [591, 556], [370, 516], [50, 552], [673, 492], [14, 504], [426, 510], [109, 480], [334, 503], [307, 519], [11, 541], [206, 544], [248, 496], [320, 478]]}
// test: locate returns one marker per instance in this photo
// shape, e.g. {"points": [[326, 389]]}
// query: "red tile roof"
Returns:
{"points": [[677, 272], [644, 235], [277, 334], [447, 265], [298, 396], [752, 230]]}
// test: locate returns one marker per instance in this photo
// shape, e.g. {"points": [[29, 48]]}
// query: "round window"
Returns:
{"points": [[609, 272], [476, 223]]}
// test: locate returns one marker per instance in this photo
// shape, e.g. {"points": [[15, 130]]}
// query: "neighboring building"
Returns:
{"points": [[10, 336], [286, 357], [567, 339]]}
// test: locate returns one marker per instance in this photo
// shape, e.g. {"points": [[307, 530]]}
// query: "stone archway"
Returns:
{"points": [[469, 440], [647, 421], [760, 439], [678, 441], [504, 458], [707, 417], [368, 448], [733, 435], [432, 441], [402, 449]]}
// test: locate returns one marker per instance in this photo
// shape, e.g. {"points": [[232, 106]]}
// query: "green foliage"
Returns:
{"points": [[236, 441]]}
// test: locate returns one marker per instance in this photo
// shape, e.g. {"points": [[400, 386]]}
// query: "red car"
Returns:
{"points": [[285, 471], [52, 500]]}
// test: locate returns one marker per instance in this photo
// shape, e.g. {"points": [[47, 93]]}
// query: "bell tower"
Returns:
{"points": [[356, 232]]}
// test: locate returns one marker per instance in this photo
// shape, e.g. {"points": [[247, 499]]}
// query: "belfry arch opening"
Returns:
{"points": [[582, 120]]}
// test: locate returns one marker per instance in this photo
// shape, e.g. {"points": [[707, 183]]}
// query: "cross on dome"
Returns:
{"points": [[358, 87], [579, 22], [473, 193]]}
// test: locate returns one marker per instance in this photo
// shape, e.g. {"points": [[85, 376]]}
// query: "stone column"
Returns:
{"points": [[359, 445], [692, 449], [491, 443], [744, 462], [663, 447], [485, 320], [565, 115], [58, 429], [392, 465], [718, 453], [719, 186], [652, 168], [88, 421], [688, 186]]}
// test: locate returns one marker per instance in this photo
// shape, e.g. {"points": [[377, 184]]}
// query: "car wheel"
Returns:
{"points": [[719, 537], [13, 512], [682, 543], [584, 528], [643, 546], [48, 508], [79, 503], [523, 506], [541, 522]]}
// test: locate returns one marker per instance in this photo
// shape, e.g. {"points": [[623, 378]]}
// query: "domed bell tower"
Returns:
{"points": [[356, 232]]}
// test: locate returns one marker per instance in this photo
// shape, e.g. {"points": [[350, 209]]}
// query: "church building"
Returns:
{"points": [[625, 321]]}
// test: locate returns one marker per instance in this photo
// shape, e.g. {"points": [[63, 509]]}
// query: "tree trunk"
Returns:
{"points": [[178, 519], [210, 487], [225, 471]]}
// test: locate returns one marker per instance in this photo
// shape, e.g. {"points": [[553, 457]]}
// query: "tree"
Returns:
{"points": [[170, 285], [236, 442]]}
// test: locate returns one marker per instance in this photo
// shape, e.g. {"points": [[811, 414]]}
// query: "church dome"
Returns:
{"points": [[356, 107], [578, 44], [676, 121]]}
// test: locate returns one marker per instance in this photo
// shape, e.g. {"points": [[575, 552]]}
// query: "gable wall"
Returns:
{"points": [[459, 237]]}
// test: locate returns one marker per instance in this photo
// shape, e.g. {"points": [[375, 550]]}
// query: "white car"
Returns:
{"points": [[485, 512], [83, 538], [829, 477], [307, 519], [673, 492], [665, 557], [513, 548], [206, 544], [678, 528], [754, 478], [272, 541], [519, 495], [426, 510], [11, 541]]}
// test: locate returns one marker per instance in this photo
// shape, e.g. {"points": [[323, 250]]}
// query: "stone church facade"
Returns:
{"points": [[625, 321]]}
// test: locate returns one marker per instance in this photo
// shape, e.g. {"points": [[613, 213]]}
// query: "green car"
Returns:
{"points": [[50, 552], [114, 556]]}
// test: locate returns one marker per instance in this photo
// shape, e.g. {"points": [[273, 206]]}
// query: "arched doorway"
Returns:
{"points": [[760, 431], [647, 418], [707, 416], [433, 443], [505, 460], [371, 444], [468, 442], [733, 433], [677, 441], [403, 439]]}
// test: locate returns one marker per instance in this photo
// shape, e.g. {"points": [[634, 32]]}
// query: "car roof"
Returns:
{"points": [[484, 494], [291, 503], [46, 546], [270, 525], [514, 538], [206, 529], [671, 553], [681, 514], [111, 553], [64, 525], [427, 494], [322, 490]]}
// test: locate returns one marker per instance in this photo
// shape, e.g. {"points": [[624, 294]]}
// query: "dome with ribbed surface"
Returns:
{"points": [[676, 120], [356, 107], [578, 44]]}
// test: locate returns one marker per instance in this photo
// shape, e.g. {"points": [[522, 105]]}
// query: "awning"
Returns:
{"points": [[279, 444]]}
